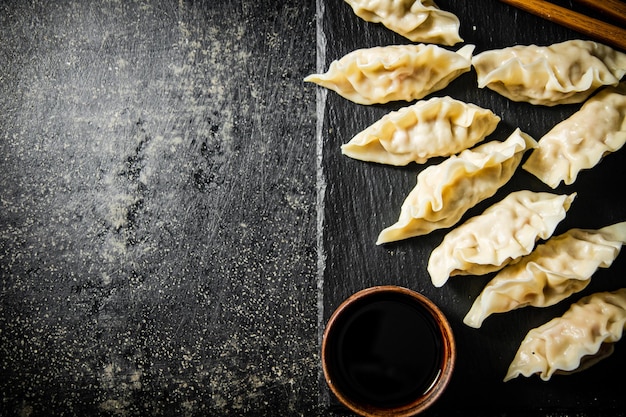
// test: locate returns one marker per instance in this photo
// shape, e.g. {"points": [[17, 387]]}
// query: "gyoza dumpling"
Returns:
{"points": [[566, 72], [417, 20], [505, 231], [444, 192], [565, 343], [581, 141], [440, 126], [552, 272], [397, 72]]}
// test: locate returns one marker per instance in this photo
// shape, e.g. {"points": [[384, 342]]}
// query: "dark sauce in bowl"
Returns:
{"points": [[388, 352], [385, 350]]}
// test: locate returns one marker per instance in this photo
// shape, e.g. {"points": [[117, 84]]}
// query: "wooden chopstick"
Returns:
{"points": [[614, 9], [594, 28]]}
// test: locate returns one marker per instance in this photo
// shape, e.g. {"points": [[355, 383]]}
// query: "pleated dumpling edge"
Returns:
{"points": [[382, 74], [439, 126], [444, 192], [414, 20], [562, 73]]}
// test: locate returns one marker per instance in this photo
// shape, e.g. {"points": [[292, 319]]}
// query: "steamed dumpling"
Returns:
{"points": [[566, 72], [504, 232], [444, 192], [581, 141], [417, 20], [564, 343], [555, 270], [441, 126], [397, 72]]}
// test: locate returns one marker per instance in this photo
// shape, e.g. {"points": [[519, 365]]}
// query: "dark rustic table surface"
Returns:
{"points": [[177, 223]]}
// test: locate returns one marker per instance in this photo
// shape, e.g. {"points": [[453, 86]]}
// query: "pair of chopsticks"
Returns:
{"points": [[604, 32]]}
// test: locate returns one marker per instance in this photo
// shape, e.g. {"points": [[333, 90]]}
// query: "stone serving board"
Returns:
{"points": [[358, 199]]}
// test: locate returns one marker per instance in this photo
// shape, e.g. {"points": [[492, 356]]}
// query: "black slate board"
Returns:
{"points": [[359, 199]]}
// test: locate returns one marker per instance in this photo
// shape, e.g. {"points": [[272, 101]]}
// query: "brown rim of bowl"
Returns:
{"points": [[448, 358]]}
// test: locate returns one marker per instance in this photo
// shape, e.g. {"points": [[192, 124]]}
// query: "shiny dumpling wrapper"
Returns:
{"points": [[394, 73], [444, 192], [562, 73], [417, 20], [573, 341], [440, 126], [505, 231], [582, 140], [554, 271]]}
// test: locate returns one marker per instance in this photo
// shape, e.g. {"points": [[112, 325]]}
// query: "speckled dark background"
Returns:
{"points": [[157, 208]]}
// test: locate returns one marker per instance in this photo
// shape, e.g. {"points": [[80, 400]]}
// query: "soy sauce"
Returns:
{"points": [[387, 351]]}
